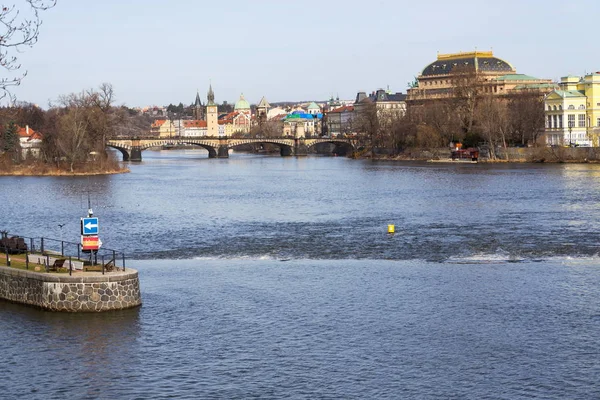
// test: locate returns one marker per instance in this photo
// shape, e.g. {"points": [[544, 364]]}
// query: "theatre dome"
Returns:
{"points": [[482, 61]]}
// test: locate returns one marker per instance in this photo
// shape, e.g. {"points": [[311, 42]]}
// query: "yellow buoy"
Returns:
{"points": [[391, 229]]}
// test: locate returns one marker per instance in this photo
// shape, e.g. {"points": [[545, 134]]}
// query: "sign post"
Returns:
{"points": [[89, 226], [90, 242]]}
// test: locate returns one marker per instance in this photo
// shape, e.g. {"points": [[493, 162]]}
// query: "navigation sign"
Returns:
{"points": [[89, 226], [90, 243]]}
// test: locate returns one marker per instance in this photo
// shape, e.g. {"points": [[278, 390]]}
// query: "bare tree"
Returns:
{"points": [[494, 122], [72, 138], [526, 115], [366, 124], [80, 126], [19, 27], [128, 123], [467, 87]]}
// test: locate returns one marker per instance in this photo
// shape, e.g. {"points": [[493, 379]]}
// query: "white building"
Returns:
{"points": [[30, 141], [566, 119]]}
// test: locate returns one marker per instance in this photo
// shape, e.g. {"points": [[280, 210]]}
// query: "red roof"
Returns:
{"points": [[30, 135], [158, 123], [195, 123], [343, 109], [229, 116]]}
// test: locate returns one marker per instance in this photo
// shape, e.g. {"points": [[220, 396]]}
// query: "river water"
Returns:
{"points": [[271, 277]]}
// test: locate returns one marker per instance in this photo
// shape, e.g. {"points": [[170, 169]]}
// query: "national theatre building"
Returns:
{"points": [[492, 75]]}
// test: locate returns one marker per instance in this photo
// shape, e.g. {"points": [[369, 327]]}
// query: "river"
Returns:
{"points": [[273, 277]]}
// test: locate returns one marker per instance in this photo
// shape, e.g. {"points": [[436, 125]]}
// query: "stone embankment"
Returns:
{"points": [[511, 154], [92, 292]]}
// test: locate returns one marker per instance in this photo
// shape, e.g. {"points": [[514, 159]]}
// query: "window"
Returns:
{"points": [[582, 107], [571, 120], [554, 108], [560, 108], [549, 108], [598, 122], [549, 124], [560, 121], [571, 107], [581, 122]]}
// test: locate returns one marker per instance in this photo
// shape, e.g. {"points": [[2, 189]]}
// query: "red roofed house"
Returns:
{"points": [[30, 141], [194, 127]]}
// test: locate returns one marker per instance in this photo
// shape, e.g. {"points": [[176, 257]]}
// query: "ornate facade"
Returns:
{"points": [[573, 112], [439, 79]]}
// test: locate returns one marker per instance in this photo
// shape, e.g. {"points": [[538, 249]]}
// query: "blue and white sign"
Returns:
{"points": [[89, 226]]}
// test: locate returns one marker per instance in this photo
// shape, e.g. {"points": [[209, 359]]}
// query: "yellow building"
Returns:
{"points": [[163, 128], [438, 80], [573, 112]]}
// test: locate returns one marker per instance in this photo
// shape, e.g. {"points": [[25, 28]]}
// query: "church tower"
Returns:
{"points": [[262, 110], [212, 123], [198, 108]]}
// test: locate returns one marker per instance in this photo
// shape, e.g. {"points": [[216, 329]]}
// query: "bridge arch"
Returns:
{"points": [[286, 146], [125, 152], [212, 151], [342, 147]]}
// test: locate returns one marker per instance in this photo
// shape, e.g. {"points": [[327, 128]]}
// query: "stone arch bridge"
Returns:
{"points": [[132, 148]]}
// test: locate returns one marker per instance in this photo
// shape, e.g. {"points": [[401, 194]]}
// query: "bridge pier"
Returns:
{"points": [[300, 148], [136, 155], [223, 151]]}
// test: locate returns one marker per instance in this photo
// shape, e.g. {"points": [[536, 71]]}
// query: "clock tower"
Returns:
{"points": [[212, 123]]}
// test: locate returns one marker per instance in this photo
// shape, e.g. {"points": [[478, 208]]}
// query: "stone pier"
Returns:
{"points": [[82, 292]]}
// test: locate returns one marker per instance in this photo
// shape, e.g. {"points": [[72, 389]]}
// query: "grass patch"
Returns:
{"points": [[18, 262]]}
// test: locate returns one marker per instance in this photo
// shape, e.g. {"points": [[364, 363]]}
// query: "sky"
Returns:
{"points": [[161, 52]]}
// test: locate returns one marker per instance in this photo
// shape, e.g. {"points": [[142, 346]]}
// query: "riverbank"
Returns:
{"points": [[509, 155], [47, 170]]}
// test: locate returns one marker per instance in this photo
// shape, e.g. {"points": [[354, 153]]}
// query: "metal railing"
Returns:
{"points": [[53, 254]]}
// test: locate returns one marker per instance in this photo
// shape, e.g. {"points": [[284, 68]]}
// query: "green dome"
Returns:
{"points": [[242, 104]]}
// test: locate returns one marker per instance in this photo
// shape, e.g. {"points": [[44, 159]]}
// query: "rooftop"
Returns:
{"points": [[517, 77], [569, 93], [482, 61]]}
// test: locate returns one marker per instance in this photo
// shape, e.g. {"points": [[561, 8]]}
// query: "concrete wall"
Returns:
{"points": [[92, 293]]}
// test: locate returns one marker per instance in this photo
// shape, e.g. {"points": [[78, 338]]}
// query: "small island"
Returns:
{"points": [[69, 138]]}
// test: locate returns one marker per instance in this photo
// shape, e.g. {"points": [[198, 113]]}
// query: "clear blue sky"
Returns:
{"points": [[160, 52]]}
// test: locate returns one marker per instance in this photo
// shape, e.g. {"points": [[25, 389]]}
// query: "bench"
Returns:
{"points": [[42, 260], [75, 264], [59, 263]]}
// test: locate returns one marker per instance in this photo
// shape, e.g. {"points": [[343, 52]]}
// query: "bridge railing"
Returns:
{"points": [[184, 137]]}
